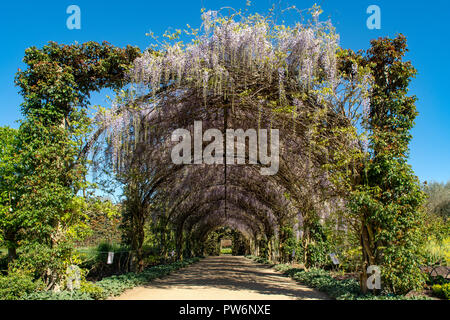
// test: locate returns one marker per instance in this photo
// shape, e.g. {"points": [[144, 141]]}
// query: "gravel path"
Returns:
{"points": [[223, 278]]}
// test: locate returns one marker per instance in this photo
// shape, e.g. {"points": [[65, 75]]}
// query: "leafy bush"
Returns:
{"points": [[316, 245], [442, 290], [259, 259], [323, 281], [432, 280], [318, 254], [16, 285], [350, 258], [289, 246], [44, 262], [282, 267], [92, 289]]}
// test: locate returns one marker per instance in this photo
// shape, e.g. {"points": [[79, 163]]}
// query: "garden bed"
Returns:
{"points": [[111, 286], [346, 288]]}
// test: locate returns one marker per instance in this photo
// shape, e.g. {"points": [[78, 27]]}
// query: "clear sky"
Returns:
{"points": [[425, 23]]}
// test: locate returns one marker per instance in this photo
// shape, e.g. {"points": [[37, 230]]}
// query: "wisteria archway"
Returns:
{"points": [[241, 72]]}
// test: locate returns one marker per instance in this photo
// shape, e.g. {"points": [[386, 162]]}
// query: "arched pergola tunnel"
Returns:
{"points": [[241, 71], [200, 198], [234, 77]]}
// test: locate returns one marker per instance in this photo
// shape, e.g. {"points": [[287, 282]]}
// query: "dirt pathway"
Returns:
{"points": [[223, 278]]}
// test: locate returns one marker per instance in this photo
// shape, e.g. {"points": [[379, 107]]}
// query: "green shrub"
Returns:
{"points": [[432, 280], [93, 290], [323, 281], [226, 251], [15, 285], [442, 290], [261, 260], [38, 259], [282, 267], [318, 254], [350, 258]]}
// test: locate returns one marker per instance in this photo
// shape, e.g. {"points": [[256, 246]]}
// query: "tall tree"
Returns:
{"points": [[56, 87], [389, 200]]}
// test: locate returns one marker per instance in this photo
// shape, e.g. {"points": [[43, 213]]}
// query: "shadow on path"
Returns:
{"points": [[224, 277]]}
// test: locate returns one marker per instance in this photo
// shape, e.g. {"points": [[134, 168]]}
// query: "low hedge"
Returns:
{"points": [[111, 286], [322, 280], [15, 285], [260, 260], [442, 290]]}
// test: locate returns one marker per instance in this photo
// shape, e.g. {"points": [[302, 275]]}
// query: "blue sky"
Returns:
{"points": [[425, 23]]}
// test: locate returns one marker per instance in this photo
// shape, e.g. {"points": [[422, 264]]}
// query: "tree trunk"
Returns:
{"points": [[11, 241], [305, 241], [368, 249], [12, 254], [179, 243], [137, 239]]}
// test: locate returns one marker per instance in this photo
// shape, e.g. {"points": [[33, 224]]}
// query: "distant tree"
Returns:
{"points": [[438, 201], [104, 218], [10, 221]]}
